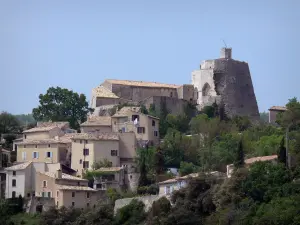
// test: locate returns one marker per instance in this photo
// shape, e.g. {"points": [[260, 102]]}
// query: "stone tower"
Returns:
{"points": [[228, 82]]}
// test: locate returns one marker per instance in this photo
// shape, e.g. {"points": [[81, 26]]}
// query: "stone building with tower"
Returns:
{"points": [[224, 80]]}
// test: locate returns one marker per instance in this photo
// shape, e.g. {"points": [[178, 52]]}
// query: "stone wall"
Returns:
{"points": [[137, 94], [175, 106], [234, 84], [147, 200]]}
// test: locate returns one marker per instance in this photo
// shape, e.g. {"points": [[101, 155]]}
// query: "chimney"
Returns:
{"points": [[58, 174]]}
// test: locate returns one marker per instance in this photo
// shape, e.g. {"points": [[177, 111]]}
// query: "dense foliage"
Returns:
{"points": [[61, 104]]}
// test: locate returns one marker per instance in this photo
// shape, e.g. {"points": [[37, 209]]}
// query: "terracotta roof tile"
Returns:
{"points": [[46, 126], [279, 108], [75, 188], [96, 136], [124, 111], [103, 92], [110, 169], [45, 141], [21, 166], [64, 176], [142, 83], [97, 121]]}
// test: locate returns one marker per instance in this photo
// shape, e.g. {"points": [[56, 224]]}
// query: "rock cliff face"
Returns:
{"points": [[228, 82]]}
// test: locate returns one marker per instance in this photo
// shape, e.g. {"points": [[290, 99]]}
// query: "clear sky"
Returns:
{"points": [[77, 44]]}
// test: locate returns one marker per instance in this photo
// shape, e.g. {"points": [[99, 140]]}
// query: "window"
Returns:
{"points": [[48, 154], [87, 195], [80, 161], [80, 141], [24, 146], [13, 194], [87, 204], [14, 173], [114, 152], [36, 146], [135, 117], [141, 130], [155, 133], [86, 141], [44, 183], [73, 203], [49, 146], [86, 151], [14, 183], [171, 94], [153, 123], [73, 194], [43, 194], [85, 164], [57, 204], [16, 147], [78, 183], [25, 136], [35, 155], [23, 155], [28, 195], [57, 193], [49, 194]]}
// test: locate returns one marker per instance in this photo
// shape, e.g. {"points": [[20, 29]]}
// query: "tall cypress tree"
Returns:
{"points": [[282, 152], [239, 161]]}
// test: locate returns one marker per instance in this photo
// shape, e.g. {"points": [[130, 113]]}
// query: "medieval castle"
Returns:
{"points": [[224, 80]]}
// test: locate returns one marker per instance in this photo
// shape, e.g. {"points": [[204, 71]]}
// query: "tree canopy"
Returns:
{"points": [[61, 104]]}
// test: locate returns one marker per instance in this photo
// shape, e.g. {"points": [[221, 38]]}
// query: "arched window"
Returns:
{"points": [[13, 194], [206, 89]]}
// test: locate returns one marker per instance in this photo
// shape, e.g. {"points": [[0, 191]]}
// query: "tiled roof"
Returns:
{"points": [[142, 83], [44, 141], [75, 188], [103, 92], [124, 111], [97, 121], [110, 169], [64, 176], [96, 136], [263, 158], [173, 180], [21, 166], [46, 126], [279, 108]]}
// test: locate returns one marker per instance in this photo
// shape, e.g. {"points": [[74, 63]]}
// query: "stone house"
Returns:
{"points": [[248, 162], [21, 178], [96, 124], [56, 150], [130, 119], [109, 177], [67, 190], [273, 111], [88, 148]]}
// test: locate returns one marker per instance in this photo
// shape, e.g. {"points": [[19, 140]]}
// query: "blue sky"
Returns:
{"points": [[77, 44]]}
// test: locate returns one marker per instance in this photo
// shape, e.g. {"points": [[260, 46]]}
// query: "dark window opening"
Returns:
{"points": [[141, 130], [86, 151], [155, 133], [13, 194], [153, 123], [85, 164], [114, 152], [14, 183], [135, 117], [14, 173], [73, 194]]}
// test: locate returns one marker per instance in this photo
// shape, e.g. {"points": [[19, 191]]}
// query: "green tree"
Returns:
{"points": [[239, 160], [9, 124], [187, 168], [282, 152], [101, 163], [159, 161], [130, 214], [61, 104]]}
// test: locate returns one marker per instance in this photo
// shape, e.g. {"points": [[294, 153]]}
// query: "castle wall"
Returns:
{"points": [[227, 81], [135, 93], [175, 106], [187, 92]]}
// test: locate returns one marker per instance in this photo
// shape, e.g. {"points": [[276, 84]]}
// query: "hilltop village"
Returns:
{"points": [[140, 142]]}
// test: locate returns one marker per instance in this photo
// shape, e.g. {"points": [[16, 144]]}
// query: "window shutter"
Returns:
{"points": [[37, 155], [33, 155], [51, 154]]}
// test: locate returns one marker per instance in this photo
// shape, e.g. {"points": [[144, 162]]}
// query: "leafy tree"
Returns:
{"points": [[132, 213], [264, 117], [9, 124], [282, 152], [9, 138], [100, 164], [187, 168], [159, 161], [239, 161], [61, 104], [242, 122]]}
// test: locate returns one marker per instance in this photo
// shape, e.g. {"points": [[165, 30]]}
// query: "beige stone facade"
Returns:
{"points": [[130, 119], [97, 124], [68, 191]]}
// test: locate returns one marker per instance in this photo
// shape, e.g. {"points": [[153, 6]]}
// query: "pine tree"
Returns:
{"points": [[159, 161], [239, 162], [282, 152]]}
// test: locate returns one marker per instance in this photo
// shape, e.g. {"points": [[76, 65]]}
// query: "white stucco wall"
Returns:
{"points": [[20, 183]]}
